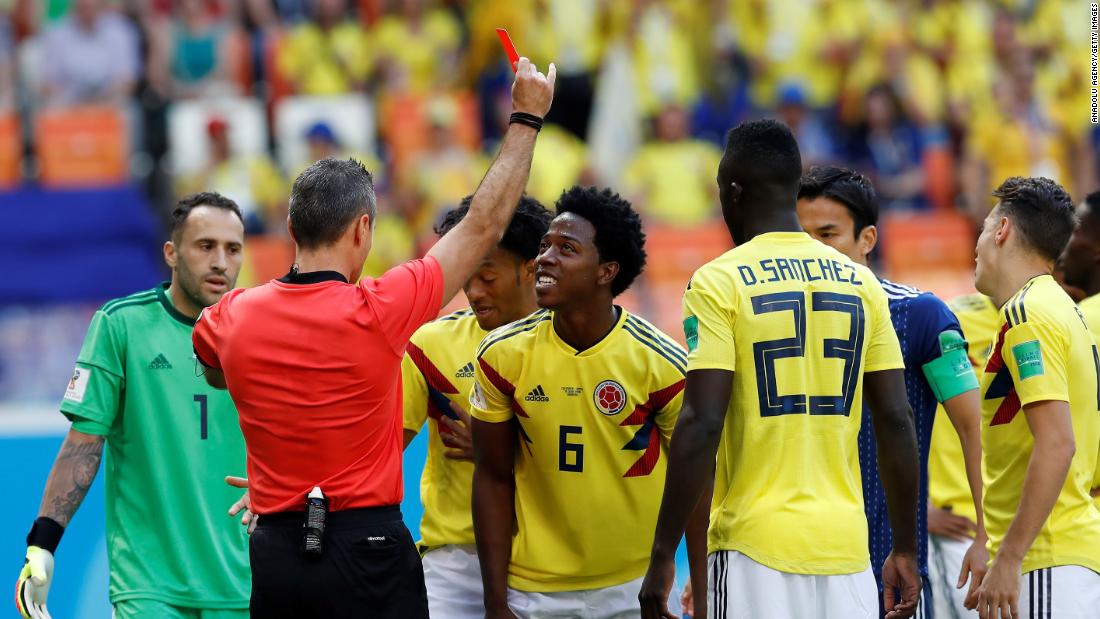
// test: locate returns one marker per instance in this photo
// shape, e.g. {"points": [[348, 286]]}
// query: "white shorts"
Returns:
{"points": [[1065, 592], [452, 577], [945, 559], [617, 602], [740, 588]]}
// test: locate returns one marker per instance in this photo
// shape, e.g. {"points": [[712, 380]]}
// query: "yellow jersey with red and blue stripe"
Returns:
{"points": [[438, 368], [1042, 342], [592, 426]]}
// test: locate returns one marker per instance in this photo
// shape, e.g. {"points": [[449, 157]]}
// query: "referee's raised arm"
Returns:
{"points": [[462, 249]]}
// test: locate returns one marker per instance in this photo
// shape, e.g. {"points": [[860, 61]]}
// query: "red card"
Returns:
{"points": [[509, 48]]}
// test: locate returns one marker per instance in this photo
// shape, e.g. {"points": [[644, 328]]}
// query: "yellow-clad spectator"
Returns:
{"points": [[559, 161], [891, 58], [445, 171], [252, 181], [327, 56], [671, 180], [792, 41], [393, 242], [418, 47], [1014, 137], [665, 70]]}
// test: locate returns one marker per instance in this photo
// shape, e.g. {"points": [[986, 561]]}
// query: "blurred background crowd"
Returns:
{"points": [[112, 109]]}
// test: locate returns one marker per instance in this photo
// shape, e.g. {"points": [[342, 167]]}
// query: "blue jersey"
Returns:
{"points": [[919, 318]]}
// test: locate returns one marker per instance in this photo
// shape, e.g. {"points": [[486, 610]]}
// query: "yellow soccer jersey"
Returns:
{"points": [[593, 424], [798, 324], [1090, 307], [439, 366], [947, 484], [1042, 336]]}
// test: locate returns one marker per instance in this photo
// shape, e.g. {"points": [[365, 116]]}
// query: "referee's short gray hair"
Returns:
{"points": [[326, 198]]}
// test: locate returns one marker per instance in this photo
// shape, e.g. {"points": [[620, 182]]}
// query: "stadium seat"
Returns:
{"points": [[673, 255], [939, 176], [404, 124], [11, 150], [941, 240], [82, 147], [268, 257]]}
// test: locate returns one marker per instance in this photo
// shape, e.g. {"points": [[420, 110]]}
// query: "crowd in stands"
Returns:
{"points": [[937, 100]]}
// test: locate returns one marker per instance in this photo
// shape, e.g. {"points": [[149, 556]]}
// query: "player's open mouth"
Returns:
{"points": [[545, 280], [482, 311]]}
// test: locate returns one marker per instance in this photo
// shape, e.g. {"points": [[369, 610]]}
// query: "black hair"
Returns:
{"points": [[326, 198], [524, 232], [1091, 213], [189, 203], [619, 237], [1042, 211], [761, 152], [845, 186]]}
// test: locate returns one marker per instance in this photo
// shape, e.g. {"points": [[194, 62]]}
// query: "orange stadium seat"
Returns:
{"points": [[673, 255], [939, 177], [404, 124], [82, 146], [269, 257], [11, 150], [933, 251]]}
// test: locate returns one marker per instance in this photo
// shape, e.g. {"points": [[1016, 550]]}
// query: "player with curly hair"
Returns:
{"points": [[572, 410], [437, 374]]}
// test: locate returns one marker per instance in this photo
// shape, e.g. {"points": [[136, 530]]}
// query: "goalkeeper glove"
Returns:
{"points": [[34, 584]]}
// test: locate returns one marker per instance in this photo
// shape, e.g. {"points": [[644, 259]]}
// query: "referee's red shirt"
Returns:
{"points": [[313, 365]]}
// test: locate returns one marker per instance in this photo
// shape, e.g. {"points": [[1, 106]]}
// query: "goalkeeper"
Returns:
{"points": [[170, 439]]}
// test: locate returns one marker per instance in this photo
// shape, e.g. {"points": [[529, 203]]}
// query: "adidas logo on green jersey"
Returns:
{"points": [[537, 395], [467, 371], [160, 363]]}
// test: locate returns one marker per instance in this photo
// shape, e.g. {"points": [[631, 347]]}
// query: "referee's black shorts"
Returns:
{"points": [[369, 567]]}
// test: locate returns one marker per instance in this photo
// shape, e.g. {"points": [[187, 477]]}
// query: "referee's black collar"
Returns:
{"points": [[313, 277]]}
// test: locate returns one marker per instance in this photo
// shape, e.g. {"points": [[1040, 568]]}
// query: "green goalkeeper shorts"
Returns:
{"points": [[153, 609]]}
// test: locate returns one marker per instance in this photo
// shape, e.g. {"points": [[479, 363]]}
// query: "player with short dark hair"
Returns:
{"points": [[313, 362], [1081, 269], [437, 375], [170, 439], [1044, 530], [786, 337], [839, 207], [572, 409]]}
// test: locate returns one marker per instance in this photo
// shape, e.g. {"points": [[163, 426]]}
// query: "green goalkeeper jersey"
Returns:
{"points": [[171, 440]]}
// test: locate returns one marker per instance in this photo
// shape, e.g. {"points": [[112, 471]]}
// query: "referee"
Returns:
{"points": [[312, 362]]}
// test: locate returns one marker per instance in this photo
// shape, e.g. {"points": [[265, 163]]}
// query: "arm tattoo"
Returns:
{"points": [[72, 475]]}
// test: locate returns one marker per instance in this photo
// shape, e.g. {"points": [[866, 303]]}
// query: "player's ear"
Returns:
{"points": [[868, 238], [170, 255], [1004, 226], [527, 270], [607, 273]]}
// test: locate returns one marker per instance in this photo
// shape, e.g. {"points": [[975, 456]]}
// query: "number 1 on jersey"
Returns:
{"points": [[201, 399]]}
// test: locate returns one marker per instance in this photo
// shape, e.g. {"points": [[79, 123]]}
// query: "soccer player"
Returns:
{"points": [[952, 515], [839, 207], [437, 375], [1040, 425], [170, 439], [786, 336], [572, 409], [1081, 269]]}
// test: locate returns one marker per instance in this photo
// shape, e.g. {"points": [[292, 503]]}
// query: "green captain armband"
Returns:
{"points": [[950, 374]]}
